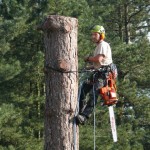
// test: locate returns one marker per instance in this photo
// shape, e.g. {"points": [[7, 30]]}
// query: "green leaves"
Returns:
{"points": [[10, 121], [9, 70]]}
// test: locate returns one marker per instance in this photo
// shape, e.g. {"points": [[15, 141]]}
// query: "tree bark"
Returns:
{"points": [[61, 64]]}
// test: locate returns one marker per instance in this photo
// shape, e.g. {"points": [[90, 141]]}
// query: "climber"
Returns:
{"points": [[102, 58]]}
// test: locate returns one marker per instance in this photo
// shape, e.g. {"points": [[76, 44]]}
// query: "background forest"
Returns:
{"points": [[22, 89]]}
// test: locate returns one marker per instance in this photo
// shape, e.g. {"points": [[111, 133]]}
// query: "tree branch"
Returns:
{"points": [[137, 12], [134, 14]]}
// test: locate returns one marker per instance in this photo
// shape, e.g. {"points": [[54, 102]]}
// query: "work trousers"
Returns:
{"points": [[92, 87]]}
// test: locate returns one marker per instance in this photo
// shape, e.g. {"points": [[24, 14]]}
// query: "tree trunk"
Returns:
{"points": [[61, 63], [120, 25], [127, 27]]}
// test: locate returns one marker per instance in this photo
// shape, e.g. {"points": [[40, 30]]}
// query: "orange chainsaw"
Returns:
{"points": [[109, 96]]}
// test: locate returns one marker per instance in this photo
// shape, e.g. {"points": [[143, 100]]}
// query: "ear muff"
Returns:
{"points": [[102, 36]]}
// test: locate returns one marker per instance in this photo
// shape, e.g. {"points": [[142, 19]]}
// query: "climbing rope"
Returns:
{"points": [[76, 113], [62, 70], [94, 116]]}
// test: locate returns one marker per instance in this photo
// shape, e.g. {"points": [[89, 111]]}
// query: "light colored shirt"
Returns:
{"points": [[104, 49]]}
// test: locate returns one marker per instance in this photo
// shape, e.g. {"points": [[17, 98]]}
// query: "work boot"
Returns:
{"points": [[81, 119]]}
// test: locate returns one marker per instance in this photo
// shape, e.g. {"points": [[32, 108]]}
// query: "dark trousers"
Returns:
{"points": [[91, 87]]}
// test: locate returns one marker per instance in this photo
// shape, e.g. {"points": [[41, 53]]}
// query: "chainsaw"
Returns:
{"points": [[109, 96]]}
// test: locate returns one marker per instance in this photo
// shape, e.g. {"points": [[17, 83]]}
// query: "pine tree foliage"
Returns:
{"points": [[21, 55], [22, 79]]}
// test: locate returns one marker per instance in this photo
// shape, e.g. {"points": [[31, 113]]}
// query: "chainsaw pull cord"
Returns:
{"points": [[94, 114]]}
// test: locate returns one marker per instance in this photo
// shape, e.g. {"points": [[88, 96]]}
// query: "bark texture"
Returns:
{"points": [[60, 38]]}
